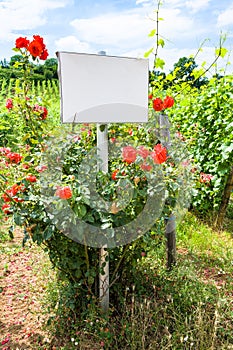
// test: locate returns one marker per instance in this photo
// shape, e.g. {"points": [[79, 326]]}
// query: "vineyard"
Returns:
{"points": [[49, 89]]}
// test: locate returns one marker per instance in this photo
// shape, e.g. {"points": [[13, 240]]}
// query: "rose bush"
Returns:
{"points": [[144, 155]]}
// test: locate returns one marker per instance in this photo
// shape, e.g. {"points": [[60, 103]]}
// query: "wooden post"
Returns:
{"points": [[170, 233], [102, 152], [225, 199]]}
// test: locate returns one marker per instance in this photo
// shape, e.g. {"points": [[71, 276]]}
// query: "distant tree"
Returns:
{"points": [[39, 72], [51, 66], [4, 63], [15, 58], [184, 72], [51, 63]]}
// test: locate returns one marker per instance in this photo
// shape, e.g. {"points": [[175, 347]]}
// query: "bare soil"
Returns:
{"points": [[22, 317]]}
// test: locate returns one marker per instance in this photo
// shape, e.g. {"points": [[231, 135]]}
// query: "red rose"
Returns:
{"points": [[168, 102], [14, 190], [14, 157], [41, 168], [44, 55], [150, 96], [42, 110], [5, 208], [64, 192], [146, 167], [9, 103], [5, 150], [6, 198], [21, 43], [31, 178], [35, 48], [40, 40], [129, 154], [205, 177], [114, 174], [143, 152], [159, 155], [158, 104], [113, 139]]}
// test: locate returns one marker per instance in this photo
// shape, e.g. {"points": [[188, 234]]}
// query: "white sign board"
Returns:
{"points": [[102, 89]]}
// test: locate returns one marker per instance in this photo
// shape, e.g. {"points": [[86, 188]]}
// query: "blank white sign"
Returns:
{"points": [[102, 89]]}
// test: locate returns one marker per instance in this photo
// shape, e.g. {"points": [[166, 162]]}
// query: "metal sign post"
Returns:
{"points": [[118, 94], [102, 152]]}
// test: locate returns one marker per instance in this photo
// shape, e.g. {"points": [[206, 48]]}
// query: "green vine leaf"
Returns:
{"points": [[152, 33]]}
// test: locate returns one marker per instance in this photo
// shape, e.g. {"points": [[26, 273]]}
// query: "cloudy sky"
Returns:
{"points": [[120, 27]]}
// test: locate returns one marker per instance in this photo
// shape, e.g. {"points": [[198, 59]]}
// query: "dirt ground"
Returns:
{"points": [[22, 316]]}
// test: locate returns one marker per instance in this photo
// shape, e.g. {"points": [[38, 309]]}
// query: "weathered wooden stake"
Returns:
{"points": [[170, 233], [225, 199]]}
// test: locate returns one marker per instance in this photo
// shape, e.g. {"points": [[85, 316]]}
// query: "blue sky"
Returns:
{"points": [[120, 27]]}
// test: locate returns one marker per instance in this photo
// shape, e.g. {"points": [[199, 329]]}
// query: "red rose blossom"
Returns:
{"points": [[9, 103], [21, 43], [5, 208], [143, 152], [64, 192], [6, 198], [14, 157], [35, 48], [168, 102], [44, 55], [5, 150], [205, 177], [159, 155], [146, 167], [129, 154], [42, 110], [158, 104], [31, 178], [41, 168], [114, 174]]}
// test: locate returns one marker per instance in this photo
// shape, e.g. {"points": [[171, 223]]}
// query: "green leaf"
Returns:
{"points": [[222, 51], [161, 42], [48, 232], [17, 219], [148, 53], [152, 33], [159, 63]]}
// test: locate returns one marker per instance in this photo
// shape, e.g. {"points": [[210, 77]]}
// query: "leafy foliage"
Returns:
{"points": [[204, 120]]}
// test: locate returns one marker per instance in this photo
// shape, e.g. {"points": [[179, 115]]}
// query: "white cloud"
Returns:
{"points": [[72, 44], [143, 2], [225, 18], [24, 15], [197, 5], [129, 28]]}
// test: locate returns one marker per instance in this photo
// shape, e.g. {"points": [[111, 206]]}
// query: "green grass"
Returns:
{"points": [[190, 307]]}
